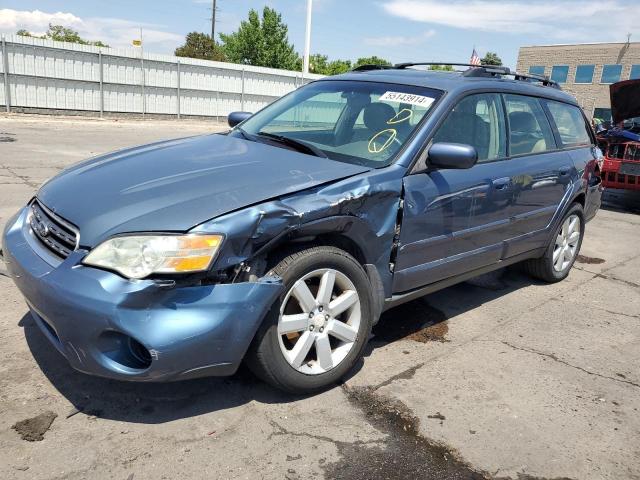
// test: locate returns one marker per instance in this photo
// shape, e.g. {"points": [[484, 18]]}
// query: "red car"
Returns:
{"points": [[621, 143]]}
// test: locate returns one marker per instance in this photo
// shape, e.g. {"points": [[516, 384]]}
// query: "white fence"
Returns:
{"points": [[43, 74]]}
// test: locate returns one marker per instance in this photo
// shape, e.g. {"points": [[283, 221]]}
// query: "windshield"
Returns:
{"points": [[365, 123]]}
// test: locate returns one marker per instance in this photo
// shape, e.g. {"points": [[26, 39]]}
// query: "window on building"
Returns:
{"points": [[536, 69], [584, 73], [635, 72], [529, 129], [559, 73], [611, 73], [570, 123]]}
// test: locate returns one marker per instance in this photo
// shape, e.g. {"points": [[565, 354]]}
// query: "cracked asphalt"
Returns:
{"points": [[502, 377]]}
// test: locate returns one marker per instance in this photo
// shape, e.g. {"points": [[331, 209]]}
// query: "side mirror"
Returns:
{"points": [[235, 118], [452, 155]]}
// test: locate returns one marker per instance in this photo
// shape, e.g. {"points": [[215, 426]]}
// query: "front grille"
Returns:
{"points": [[57, 235]]}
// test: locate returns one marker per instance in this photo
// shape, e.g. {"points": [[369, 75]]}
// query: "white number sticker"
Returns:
{"points": [[408, 98]]}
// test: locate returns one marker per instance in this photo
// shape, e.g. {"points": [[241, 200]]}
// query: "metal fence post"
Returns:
{"points": [[5, 69], [178, 106], [242, 95], [144, 99], [101, 84], [217, 106]]}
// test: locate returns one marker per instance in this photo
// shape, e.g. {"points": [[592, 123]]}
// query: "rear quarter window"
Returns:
{"points": [[570, 124]]}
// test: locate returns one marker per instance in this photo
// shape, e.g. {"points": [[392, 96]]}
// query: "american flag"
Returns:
{"points": [[475, 59]]}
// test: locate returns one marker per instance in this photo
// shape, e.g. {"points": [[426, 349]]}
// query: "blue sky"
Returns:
{"points": [[400, 30]]}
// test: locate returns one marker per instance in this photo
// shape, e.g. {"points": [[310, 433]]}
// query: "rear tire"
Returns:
{"points": [[318, 329], [563, 249]]}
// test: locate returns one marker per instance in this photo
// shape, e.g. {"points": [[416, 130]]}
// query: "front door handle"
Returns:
{"points": [[502, 183]]}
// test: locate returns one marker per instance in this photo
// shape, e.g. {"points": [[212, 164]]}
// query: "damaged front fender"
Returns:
{"points": [[362, 209]]}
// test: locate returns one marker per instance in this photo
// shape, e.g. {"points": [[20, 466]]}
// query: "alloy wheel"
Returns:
{"points": [[567, 241], [319, 321]]}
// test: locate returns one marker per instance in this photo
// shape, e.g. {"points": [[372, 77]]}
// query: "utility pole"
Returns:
{"points": [[213, 21], [307, 43]]}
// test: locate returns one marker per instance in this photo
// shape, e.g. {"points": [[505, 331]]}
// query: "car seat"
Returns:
{"points": [[525, 134]]}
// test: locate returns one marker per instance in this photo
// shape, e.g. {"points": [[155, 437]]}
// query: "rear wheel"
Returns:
{"points": [[318, 329], [563, 249]]}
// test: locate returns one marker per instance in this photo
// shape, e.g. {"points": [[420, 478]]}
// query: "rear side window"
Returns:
{"points": [[478, 120], [570, 123], [529, 129]]}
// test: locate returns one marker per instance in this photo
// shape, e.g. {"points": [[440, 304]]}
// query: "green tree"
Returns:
{"points": [[491, 58], [60, 33], [442, 68], [371, 61], [318, 63], [261, 42], [321, 65], [200, 45], [337, 67]]}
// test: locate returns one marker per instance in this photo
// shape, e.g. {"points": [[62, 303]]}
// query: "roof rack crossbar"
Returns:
{"points": [[485, 67], [546, 81], [368, 67]]}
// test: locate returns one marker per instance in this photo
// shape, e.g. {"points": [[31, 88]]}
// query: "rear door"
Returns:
{"points": [[455, 221], [576, 138], [540, 173]]}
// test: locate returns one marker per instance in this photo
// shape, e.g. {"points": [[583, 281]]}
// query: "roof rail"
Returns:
{"points": [[487, 70], [368, 67]]}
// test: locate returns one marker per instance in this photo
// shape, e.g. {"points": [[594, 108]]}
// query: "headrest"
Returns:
{"points": [[523, 122], [377, 114]]}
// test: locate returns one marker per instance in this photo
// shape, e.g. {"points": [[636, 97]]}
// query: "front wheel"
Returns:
{"points": [[318, 329], [563, 249]]}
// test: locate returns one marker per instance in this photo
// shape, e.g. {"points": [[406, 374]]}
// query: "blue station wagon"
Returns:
{"points": [[281, 241]]}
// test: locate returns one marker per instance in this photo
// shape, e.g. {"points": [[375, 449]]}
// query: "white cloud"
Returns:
{"points": [[398, 41], [115, 32], [572, 20]]}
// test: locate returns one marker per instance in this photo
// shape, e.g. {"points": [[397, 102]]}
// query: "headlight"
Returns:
{"points": [[141, 255]]}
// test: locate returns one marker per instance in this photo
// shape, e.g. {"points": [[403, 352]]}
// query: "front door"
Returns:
{"points": [[455, 221]]}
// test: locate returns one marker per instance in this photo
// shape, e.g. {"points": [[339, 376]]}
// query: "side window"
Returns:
{"points": [[529, 129], [478, 120], [570, 124]]}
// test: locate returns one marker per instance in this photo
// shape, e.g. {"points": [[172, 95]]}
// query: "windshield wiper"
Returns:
{"points": [[299, 145]]}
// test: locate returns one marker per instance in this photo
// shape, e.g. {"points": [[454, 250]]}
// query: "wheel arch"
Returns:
{"points": [[348, 233]]}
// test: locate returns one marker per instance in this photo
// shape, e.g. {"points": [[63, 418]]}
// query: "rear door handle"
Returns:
{"points": [[502, 183], [564, 171]]}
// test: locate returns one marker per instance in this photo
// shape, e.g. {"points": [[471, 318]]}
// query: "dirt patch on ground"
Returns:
{"points": [[403, 454], [33, 429], [589, 260], [417, 321], [7, 137]]}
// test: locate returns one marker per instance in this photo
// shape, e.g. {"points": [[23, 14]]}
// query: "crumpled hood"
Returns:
{"points": [[625, 100], [178, 184]]}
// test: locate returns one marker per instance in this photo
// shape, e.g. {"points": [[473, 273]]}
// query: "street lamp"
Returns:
{"points": [[307, 43]]}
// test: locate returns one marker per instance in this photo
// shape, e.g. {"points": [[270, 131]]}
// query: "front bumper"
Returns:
{"points": [[98, 320]]}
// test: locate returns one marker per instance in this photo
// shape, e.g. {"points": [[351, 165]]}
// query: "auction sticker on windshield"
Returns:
{"points": [[408, 98]]}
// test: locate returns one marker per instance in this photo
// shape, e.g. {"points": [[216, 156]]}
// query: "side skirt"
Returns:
{"points": [[400, 298]]}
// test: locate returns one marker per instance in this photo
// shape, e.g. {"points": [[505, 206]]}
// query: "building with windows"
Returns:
{"points": [[585, 70]]}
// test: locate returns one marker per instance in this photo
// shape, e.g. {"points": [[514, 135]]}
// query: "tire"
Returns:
{"points": [[544, 268], [276, 354]]}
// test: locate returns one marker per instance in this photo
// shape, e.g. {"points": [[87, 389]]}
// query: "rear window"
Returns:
{"points": [[570, 124]]}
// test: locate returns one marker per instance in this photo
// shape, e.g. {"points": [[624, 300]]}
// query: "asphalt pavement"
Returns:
{"points": [[500, 377]]}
